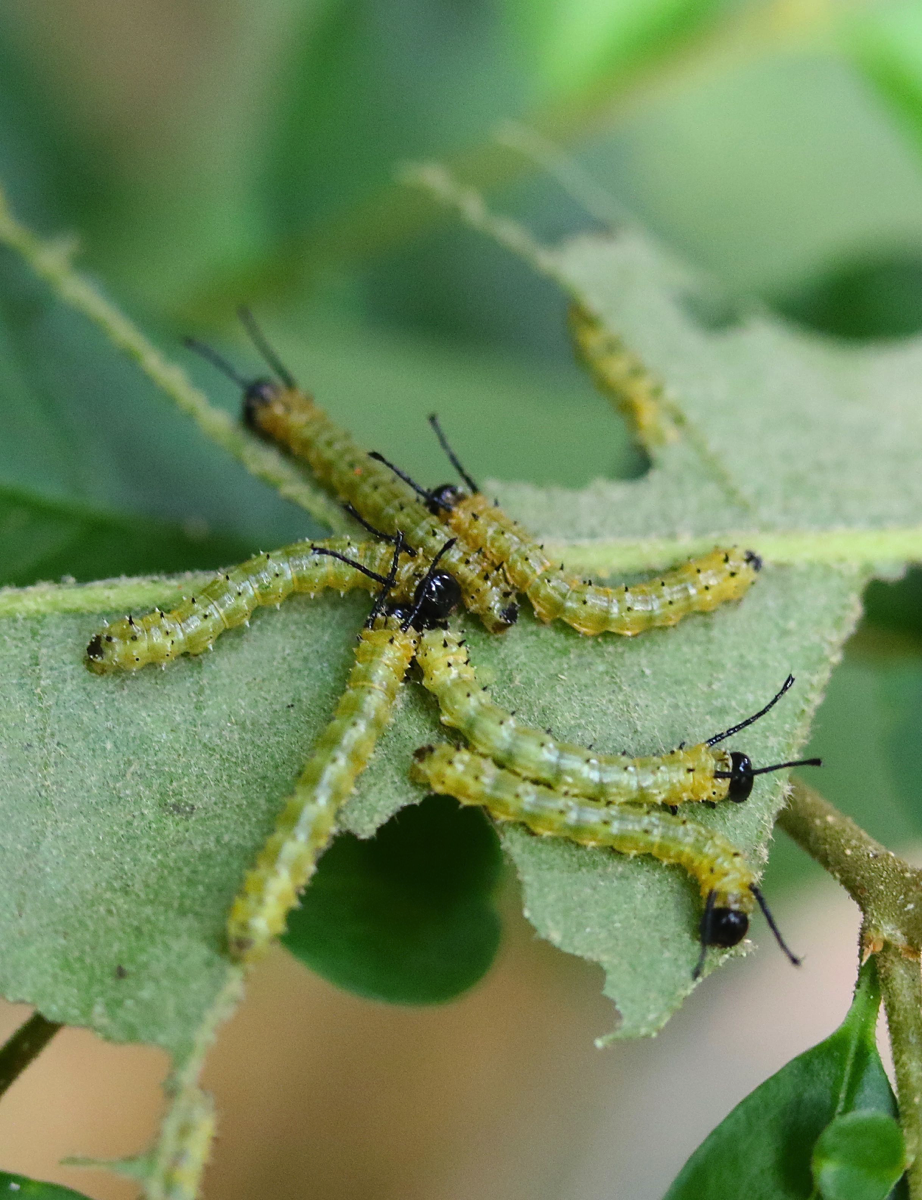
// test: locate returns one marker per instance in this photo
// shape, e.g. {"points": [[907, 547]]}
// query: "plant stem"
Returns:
{"points": [[901, 983], [885, 887], [889, 893], [26, 1044]]}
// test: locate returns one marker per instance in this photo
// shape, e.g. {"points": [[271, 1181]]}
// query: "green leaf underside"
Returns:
{"points": [[43, 539], [21, 1186], [136, 803], [764, 1148], [407, 916]]}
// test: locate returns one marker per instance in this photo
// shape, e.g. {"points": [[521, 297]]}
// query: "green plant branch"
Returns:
{"points": [[901, 983], [52, 262], [888, 891], [611, 557], [107, 595], [25, 1045]]}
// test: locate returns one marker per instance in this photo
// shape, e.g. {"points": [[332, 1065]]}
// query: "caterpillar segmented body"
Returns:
{"points": [[231, 597], [184, 1148], [726, 880], [306, 824], [697, 586], [669, 779], [620, 375], [287, 415]]}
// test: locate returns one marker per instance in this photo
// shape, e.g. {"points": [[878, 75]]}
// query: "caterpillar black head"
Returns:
{"points": [[725, 925], [742, 773], [435, 598]]}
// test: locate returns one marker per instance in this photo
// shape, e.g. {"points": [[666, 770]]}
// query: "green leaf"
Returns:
{"points": [[133, 805], [34, 1189], [859, 1156], [764, 1148], [406, 917], [874, 297]]}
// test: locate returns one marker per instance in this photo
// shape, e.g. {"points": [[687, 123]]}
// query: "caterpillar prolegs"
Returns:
{"points": [[726, 880], [696, 773], [231, 597]]}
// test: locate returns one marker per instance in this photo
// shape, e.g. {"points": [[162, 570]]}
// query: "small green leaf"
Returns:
{"points": [[859, 1156], [765, 1147], [21, 1186], [406, 917]]}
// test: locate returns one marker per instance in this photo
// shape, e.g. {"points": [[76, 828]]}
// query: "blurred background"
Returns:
{"points": [[213, 151]]}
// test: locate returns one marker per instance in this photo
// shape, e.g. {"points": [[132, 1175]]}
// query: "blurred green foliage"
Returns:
{"points": [[408, 915], [224, 152], [824, 1124]]}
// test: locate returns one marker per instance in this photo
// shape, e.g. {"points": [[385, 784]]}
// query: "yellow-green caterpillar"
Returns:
{"points": [[231, 597], [343, 750], [726, 880], [283, 413], [698, 586], [619, 374], [695, 773]]}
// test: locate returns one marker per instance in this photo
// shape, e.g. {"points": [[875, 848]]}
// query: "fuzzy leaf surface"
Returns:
{"points": [[133, 805]]}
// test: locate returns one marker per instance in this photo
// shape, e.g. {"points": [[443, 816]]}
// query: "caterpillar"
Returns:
{"points": [[184, 1148], [726, 880], [307, 822], [696, 773], [231, 597], [698, 586], [277, 409], [621, 376]]}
